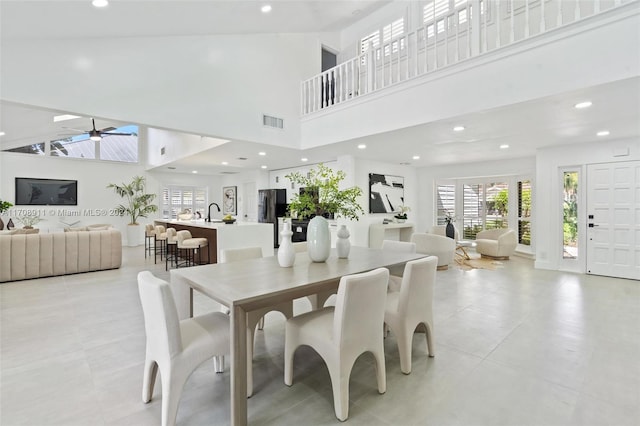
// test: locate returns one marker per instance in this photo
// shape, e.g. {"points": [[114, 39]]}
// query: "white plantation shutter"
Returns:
{"points": [[177, 198]]}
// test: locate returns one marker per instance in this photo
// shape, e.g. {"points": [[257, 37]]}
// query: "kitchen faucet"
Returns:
{"points": [[209, 215]]}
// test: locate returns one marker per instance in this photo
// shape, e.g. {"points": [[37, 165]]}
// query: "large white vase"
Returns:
{"points": [[286, 252], [134, 234], [318, 239], [343, 245]]}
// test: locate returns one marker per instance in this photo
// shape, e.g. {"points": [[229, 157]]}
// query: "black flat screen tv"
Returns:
{"points": [[46, 192]]}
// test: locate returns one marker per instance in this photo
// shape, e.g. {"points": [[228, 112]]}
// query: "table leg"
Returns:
{"points": [[238, 366]]}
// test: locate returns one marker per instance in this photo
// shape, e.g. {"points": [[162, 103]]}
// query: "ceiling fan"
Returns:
{"points": [[97, 134]]}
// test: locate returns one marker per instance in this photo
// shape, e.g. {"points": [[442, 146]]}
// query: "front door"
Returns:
{"points": [[613, 219]]}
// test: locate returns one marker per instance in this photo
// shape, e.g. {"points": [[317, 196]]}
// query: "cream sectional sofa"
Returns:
{"points": [[24, 256]]}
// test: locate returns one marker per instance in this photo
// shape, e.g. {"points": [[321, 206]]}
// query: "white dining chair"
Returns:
{"points": [[412, 307], [254, 318], [175, 347], [341, 333], [395, 280]]}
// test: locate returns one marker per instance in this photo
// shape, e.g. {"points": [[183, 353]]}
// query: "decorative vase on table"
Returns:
{"points": [[343, 246], [10, 224], [318, 239], [450, 230], [286, 252]]}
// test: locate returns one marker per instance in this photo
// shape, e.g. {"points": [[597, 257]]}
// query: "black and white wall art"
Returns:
{"points": [[386, 193]]}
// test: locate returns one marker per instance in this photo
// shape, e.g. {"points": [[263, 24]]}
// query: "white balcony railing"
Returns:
{"points": [[459, 35]]}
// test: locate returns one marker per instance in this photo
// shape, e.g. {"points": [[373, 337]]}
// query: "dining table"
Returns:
{"points": [[253, 284]]}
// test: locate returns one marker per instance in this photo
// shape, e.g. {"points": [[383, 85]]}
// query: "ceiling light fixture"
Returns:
{"points": [[263, 167], [416, 157], [224, 163], [504, 146], [458, 128], [581, 105], [100, 3], [304, 159], [2, 133], [94, 135], [194, 171], [64, 117], [266, 8], [362, 146], [603, 133], [262, 153]]}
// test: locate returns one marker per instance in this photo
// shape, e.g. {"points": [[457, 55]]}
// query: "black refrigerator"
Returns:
{"points": [[272, 204]]}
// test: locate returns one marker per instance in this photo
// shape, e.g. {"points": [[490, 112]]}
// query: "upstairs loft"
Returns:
{"points": [[396, 80]]}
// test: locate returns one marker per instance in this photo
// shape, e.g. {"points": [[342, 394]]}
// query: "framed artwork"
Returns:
{"points": [[229, 200], [386, 193]]}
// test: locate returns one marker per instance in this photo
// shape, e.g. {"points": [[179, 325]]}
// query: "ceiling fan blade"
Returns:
{"points": [[116, 134], [75, 130], [106, 129]]}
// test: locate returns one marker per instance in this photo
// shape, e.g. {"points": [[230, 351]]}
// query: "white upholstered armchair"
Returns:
{"points": [[496, 243], [435, 245]]}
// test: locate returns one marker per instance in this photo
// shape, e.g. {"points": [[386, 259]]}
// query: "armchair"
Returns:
{"points": [[496, 243]]}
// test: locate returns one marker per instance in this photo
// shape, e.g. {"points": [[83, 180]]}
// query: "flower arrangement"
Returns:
{"points": [[322, 194], [402, 212], [449, 218]]}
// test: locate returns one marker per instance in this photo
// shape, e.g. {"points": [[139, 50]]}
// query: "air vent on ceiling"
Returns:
{"points": [[275, 122], [242, 158]]}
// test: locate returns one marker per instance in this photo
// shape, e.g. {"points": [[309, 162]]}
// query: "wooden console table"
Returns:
{"points": [[391, 231]]}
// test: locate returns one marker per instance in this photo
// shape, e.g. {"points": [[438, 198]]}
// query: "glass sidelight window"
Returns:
{"points": [[570, 215]]}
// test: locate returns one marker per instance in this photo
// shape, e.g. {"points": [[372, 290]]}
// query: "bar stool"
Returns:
{"points": [[172, 248], [149, 238], [160, 238], [189, 245]]}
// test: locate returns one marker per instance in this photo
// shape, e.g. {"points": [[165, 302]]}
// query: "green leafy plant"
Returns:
{"points": [[138, 203], [322, 194], [4, 206], [28, 221]]}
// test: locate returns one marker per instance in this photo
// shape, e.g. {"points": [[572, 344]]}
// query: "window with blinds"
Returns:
{"points": [[384, 36], [445, 202], [446, 14], [524, 212], [179, 198]]}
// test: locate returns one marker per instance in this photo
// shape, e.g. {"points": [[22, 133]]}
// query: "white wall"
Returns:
{"points": [[548, 194], [217, 86], [176, 146]]}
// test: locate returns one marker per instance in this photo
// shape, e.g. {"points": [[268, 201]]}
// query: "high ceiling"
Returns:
{"points": [[525, 127]]}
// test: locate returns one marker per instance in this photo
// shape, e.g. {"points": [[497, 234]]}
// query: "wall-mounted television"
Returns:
{"points": [[46, 192], [386, 193]]}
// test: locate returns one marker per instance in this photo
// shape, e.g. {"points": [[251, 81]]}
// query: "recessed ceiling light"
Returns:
{"points": [[2, 133], [504, 146], [416, 157], [194, 171], [458, 128], [100, 3], [266, 8], [603, 133], [585, 104], [263, 167], [224, 163], [64, 117], [362, 146], [304, 159], [262, 153]]}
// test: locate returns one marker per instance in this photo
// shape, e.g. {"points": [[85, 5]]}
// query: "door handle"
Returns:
{"points": [[592, 225]]}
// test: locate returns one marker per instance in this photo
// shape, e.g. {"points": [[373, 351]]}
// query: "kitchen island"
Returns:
{"points": [[224, 236]]}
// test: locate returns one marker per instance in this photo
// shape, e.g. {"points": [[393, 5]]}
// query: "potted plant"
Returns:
{"points": [[4, 206], [28, 221], [402, 213], [137, 204], [323, 197]]}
